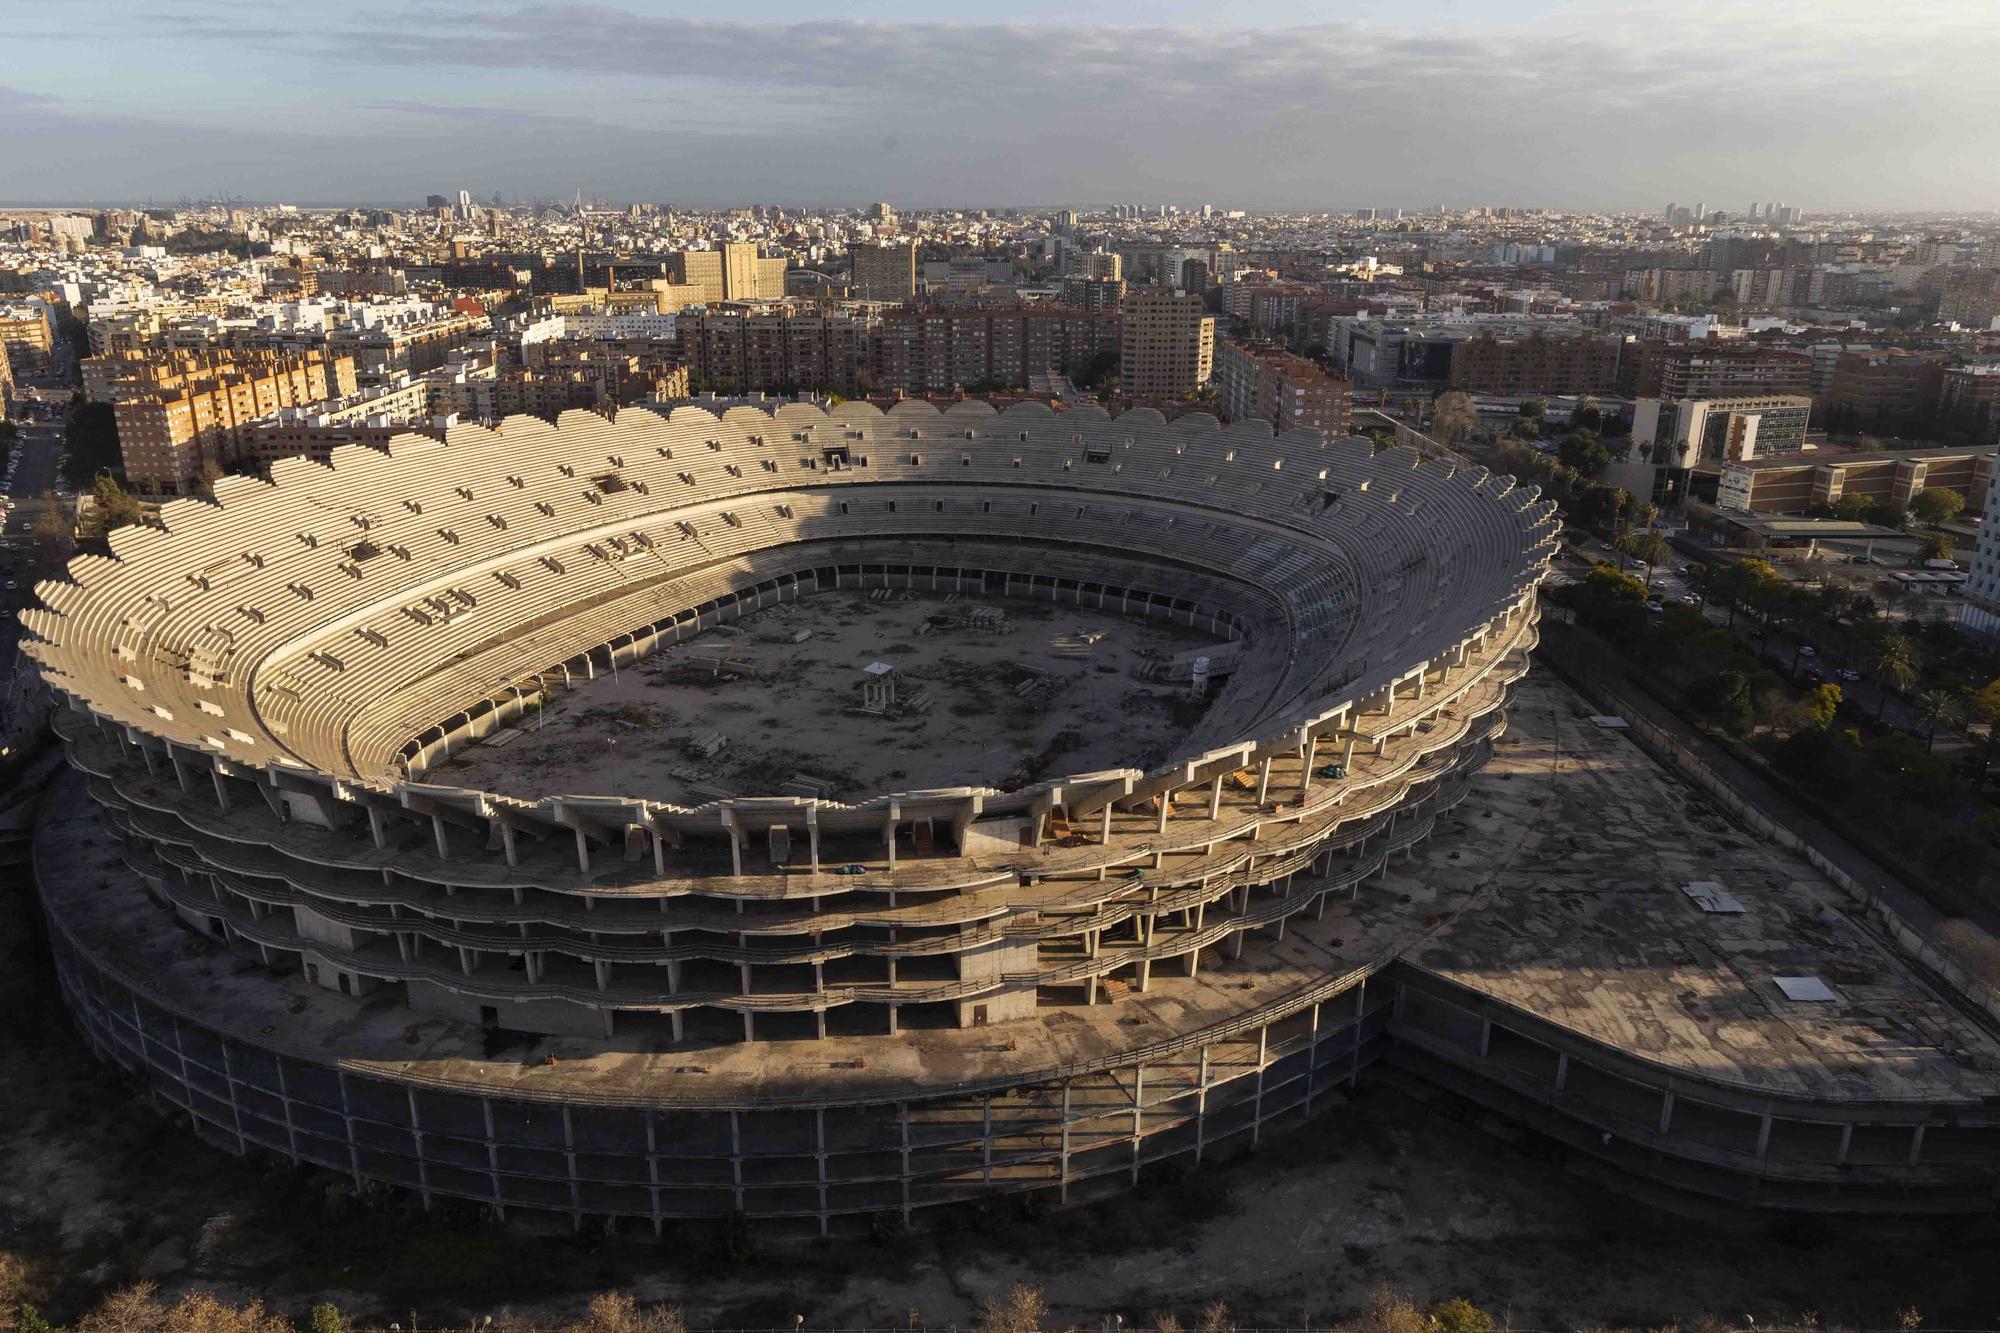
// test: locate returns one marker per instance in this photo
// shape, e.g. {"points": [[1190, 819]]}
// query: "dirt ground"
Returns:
{"points": [[1394, 1186], [787, 708]]}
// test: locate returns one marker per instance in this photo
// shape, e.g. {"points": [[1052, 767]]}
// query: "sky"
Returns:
{"points": [[1262, 104]]}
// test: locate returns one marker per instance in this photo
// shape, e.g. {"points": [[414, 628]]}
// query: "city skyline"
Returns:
{"points": [[1085, 103]]}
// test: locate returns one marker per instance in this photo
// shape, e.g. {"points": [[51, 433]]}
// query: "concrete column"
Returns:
{"points": [[1485, 1038], [903, 1123], [986, 1139], [1763, 1136], [1562, 1057], [736, 1155], [1138, 1110], [1360, 1012], [1062, 1165], [1306, 769], [1105, 836], [1666, 1112], [1312, 1059], [1257, 1108], [1846, 1142], [1264, 780], [1166, 809], [1916, 1144], [1215, 797], [812, 835], [492, 1155]]}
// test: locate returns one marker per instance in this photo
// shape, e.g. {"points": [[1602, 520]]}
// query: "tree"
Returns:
{"points": [[1581, 453], [1742, 583], [1937, 504], [1586, 415], [1886, 513], [615, 1312], [1822, 705], [90, 442], [325, 1318], [1726, 697], [1019, 1309], [53, 535], [115, 508], [1649, 547], [1854, 507], [135, 1309], [1896, 663], [1453, 416], [1532, 409], [1935, 708], [1934, 545], [1458, 1315]]}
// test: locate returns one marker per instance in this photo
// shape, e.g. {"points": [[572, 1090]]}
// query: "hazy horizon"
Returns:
{"points": [[1832, 105]]}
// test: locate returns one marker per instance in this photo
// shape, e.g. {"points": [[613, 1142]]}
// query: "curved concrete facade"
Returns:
{"points": [[256, 693]]}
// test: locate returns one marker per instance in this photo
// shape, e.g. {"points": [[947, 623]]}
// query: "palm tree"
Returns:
{"points": [[1649, 547], [1935, 708], [1896, 662]]}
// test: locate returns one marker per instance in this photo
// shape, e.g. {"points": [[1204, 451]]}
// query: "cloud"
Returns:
{"points": [[1817, 100]]}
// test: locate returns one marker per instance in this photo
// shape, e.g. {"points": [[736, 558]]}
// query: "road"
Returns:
{"points": [[38, 450]]}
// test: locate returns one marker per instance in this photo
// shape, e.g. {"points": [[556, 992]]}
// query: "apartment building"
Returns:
{"points": [[1265, 383], [1969, 401], [1972, 297], [1099, 295], [1093, 264], [370, 416], [27, 335], [167, 436], [1876, 390], [937, 349], [883, 272], [1167, 344], [1534, 364], [778, 348], [1712, 369]]}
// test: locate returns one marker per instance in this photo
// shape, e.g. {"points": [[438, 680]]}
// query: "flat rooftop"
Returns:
{"points": [[1577, 852], [1025, 686]]}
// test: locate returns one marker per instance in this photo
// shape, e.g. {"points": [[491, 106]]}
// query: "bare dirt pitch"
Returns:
{"points": [[1038, 689]]}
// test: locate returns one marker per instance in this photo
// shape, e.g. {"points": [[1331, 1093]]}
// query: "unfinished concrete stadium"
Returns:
{"points": [[826, 930]]}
